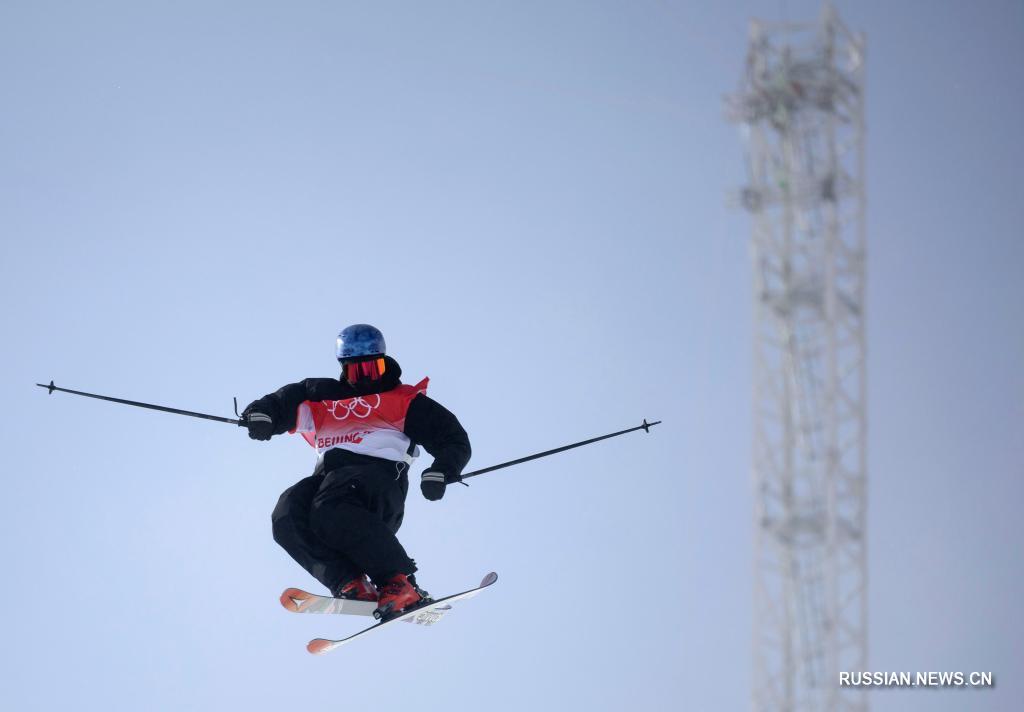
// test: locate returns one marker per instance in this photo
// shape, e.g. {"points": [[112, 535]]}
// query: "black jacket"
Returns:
{"points": [[427, 423]]}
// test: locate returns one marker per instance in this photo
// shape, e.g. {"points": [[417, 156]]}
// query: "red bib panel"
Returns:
{"points": [[370, 425]]}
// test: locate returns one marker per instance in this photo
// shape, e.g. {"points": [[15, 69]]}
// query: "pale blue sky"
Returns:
{"points": [[525, 197]]}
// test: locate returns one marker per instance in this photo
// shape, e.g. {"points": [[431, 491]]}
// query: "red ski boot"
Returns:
{"points": [[358, 589], [397, 595]]}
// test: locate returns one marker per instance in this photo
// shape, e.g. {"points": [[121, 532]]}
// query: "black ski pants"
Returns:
{"points": [[342, 524]]}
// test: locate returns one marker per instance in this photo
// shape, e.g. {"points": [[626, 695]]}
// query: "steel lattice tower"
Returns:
{"points": [[801, 108]]}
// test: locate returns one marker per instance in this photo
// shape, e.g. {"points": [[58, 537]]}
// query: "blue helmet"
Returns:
{"points": [[360, 341]]}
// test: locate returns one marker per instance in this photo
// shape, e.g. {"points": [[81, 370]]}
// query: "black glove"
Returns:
{"points": [[260, 424], [432, 484]]}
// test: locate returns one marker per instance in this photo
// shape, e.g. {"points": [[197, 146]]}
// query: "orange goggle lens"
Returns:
{"points": [[358, 370]]}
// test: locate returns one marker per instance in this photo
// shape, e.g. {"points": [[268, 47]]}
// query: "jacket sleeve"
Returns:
{"points": [[282, 405], [433, 426]]}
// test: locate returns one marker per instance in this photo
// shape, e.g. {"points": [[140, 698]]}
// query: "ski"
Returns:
{"points": [[427, 614], [298, 601]]}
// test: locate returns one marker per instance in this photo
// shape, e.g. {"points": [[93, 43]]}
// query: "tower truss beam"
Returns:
{"points": [[801, 108]]}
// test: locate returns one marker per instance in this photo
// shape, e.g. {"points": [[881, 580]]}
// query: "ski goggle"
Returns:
{"points": [[372, 369]]}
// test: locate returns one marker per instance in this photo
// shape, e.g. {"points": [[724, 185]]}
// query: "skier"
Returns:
{"points": [[340, 522]]}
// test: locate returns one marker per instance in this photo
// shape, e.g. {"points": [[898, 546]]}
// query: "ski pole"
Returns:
{"points": [[51, 388], [645, 426]]}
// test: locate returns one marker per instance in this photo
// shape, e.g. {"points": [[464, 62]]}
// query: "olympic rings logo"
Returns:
{"points": [[353, 406]]}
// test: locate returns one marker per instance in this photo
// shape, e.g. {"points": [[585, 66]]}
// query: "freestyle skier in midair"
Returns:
{"points": [[340, 523]]}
